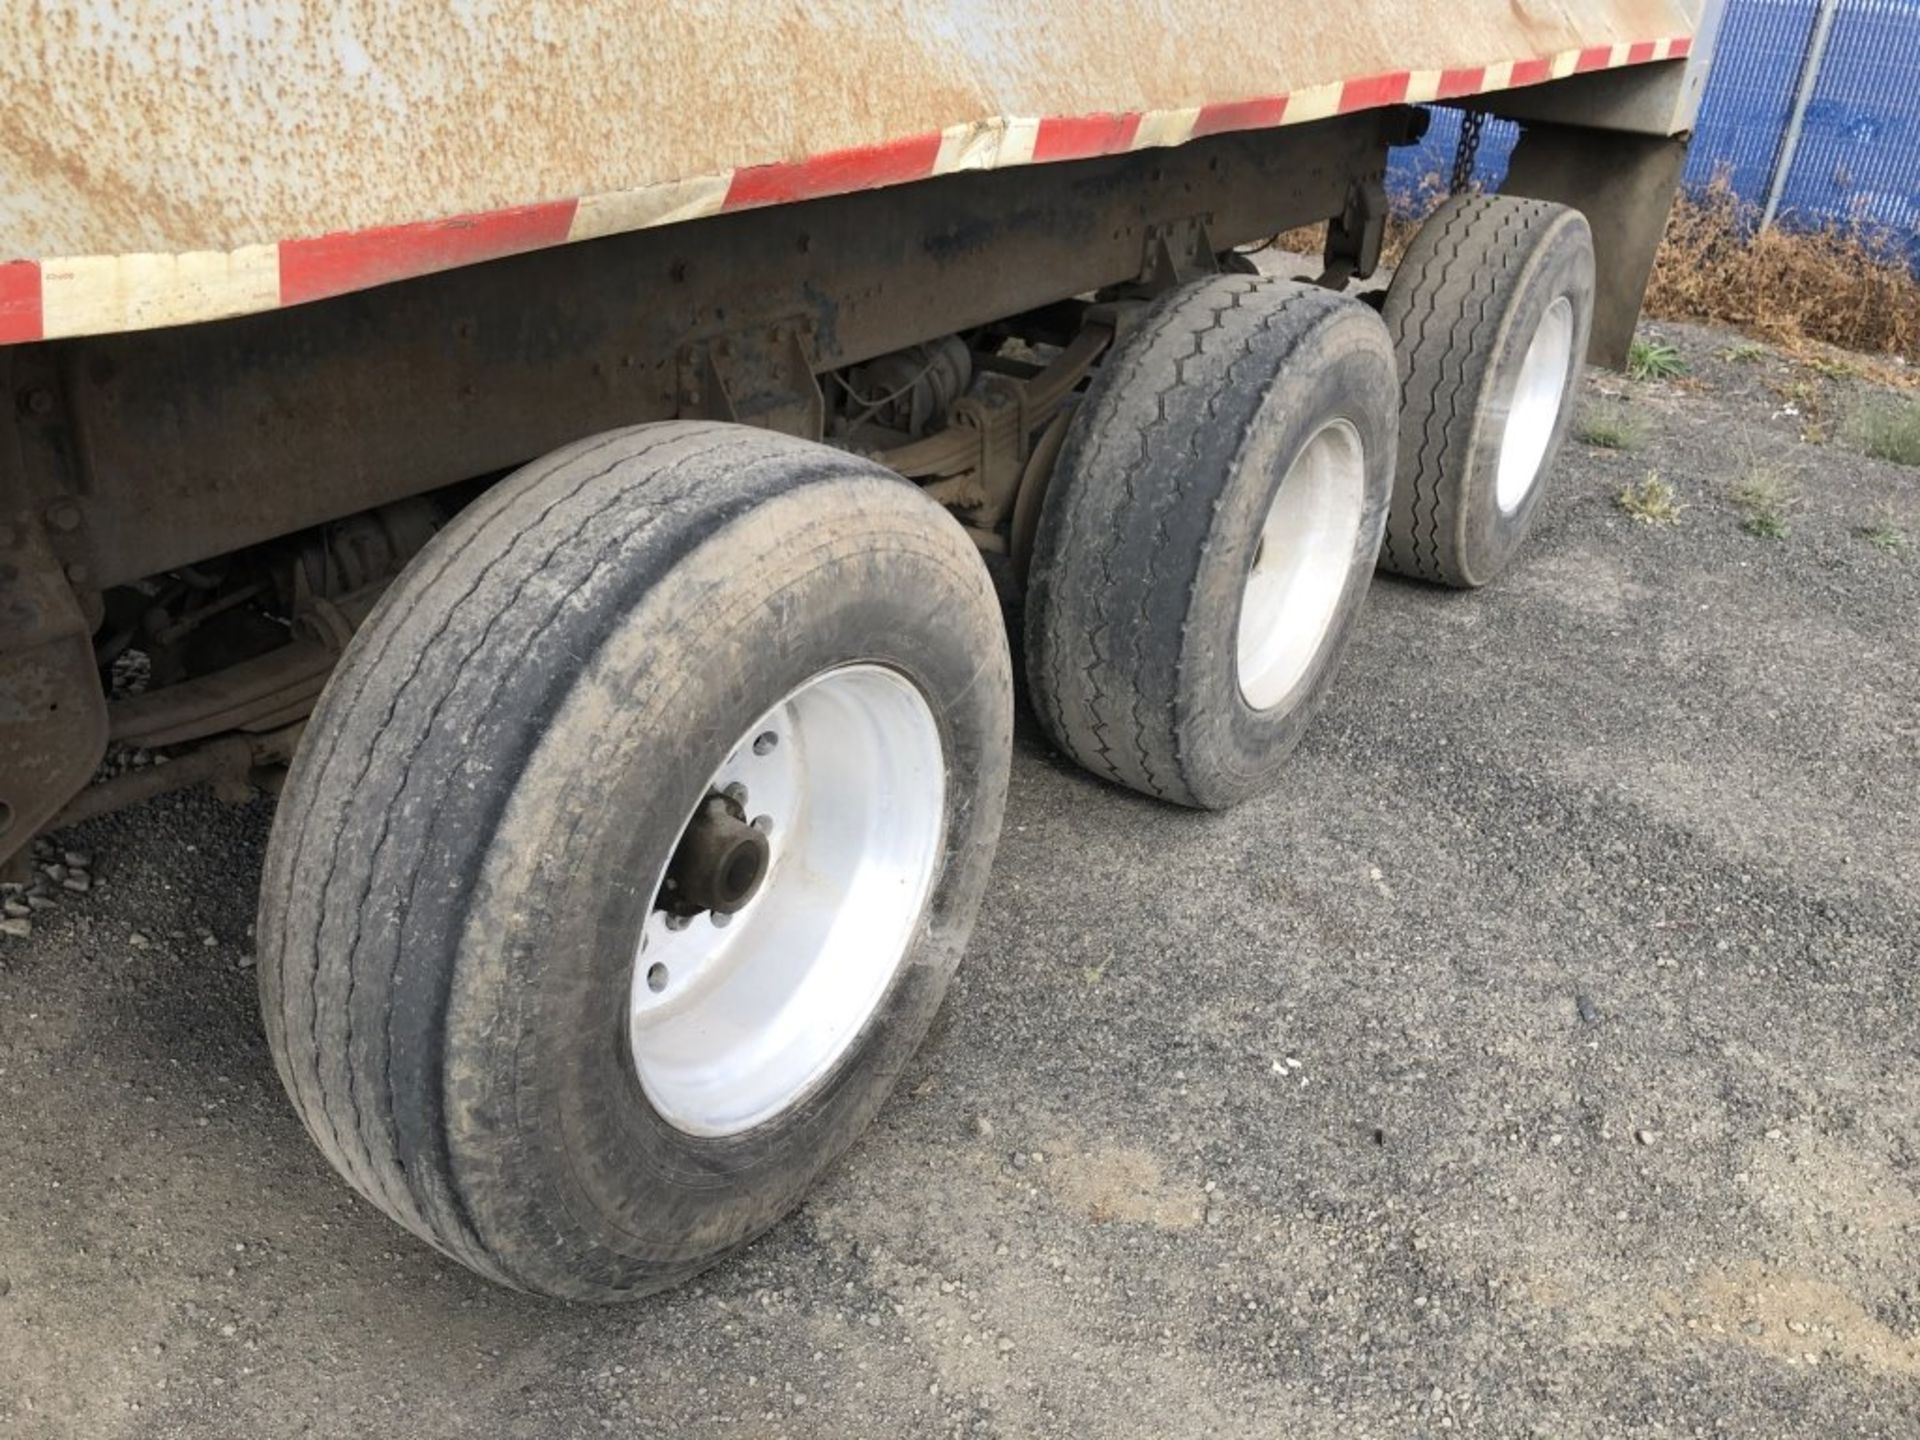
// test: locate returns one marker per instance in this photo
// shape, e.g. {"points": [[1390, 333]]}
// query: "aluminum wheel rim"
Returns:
{"points": [[735, 1018], [1534, 411], [1301, 563]]}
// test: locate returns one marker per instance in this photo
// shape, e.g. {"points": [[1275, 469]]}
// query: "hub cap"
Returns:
{"points": [[1535, 410], [789, 902], [1300, 564]]}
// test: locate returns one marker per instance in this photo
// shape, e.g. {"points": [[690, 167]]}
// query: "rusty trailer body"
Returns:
{"points": [[169, 166], [285, 286]]}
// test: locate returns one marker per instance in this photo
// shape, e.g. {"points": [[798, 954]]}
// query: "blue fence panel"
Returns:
{"points": [[1750, 89], [1859, 154], [1858, 159]]}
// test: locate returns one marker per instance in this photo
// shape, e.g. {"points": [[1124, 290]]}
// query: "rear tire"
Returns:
{"points": [[1209, 534], [478, 830], [1490, 312]]}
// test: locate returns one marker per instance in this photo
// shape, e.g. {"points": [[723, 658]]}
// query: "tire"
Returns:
{"points": [[1492, 301], [1188, 444], [469, 850]]}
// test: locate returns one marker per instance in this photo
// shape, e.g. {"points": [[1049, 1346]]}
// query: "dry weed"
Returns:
{"points": [[1841, 286]]}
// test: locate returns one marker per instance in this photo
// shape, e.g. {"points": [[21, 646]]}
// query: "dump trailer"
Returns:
{"points": [[568, 452]]}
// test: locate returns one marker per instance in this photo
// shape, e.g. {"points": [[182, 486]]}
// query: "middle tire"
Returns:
{"points": [[1209, 535]]}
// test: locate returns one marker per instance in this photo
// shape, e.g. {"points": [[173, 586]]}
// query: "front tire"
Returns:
{"points": [[495, 818]]}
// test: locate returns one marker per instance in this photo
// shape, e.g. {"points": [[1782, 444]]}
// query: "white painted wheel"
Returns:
{"points": [[1301, 563], [1534, 415], [735, 1015]]}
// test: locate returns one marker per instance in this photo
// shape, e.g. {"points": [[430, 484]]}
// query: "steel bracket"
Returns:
{"points": [[1356, 234], [761, 376], [46, 469], [53, 715], [1177, 251]]}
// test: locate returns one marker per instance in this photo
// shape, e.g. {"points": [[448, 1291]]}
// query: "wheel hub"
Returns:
{"points": [[1534, 412], [1301, 561], [789, 901], [719, 863]]}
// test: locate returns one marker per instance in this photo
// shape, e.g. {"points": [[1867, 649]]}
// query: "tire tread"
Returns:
{"points": [[1102, 619], [1444, 311]]}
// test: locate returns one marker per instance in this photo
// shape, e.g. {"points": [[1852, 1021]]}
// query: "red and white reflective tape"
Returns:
{"points": [[97, 294]]}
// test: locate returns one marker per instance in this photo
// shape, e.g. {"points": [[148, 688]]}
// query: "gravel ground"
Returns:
{"points": [[1541, 1061]]}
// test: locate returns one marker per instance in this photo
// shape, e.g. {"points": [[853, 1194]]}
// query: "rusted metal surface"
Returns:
{"points": [[53, 724], [1028, 87], [230, 760], [261, 692], [251, 695], [192, 442], [977, 464], [145, 125]]}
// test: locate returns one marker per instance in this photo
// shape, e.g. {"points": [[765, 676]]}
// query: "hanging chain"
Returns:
{"points": [[1472, 122]]}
